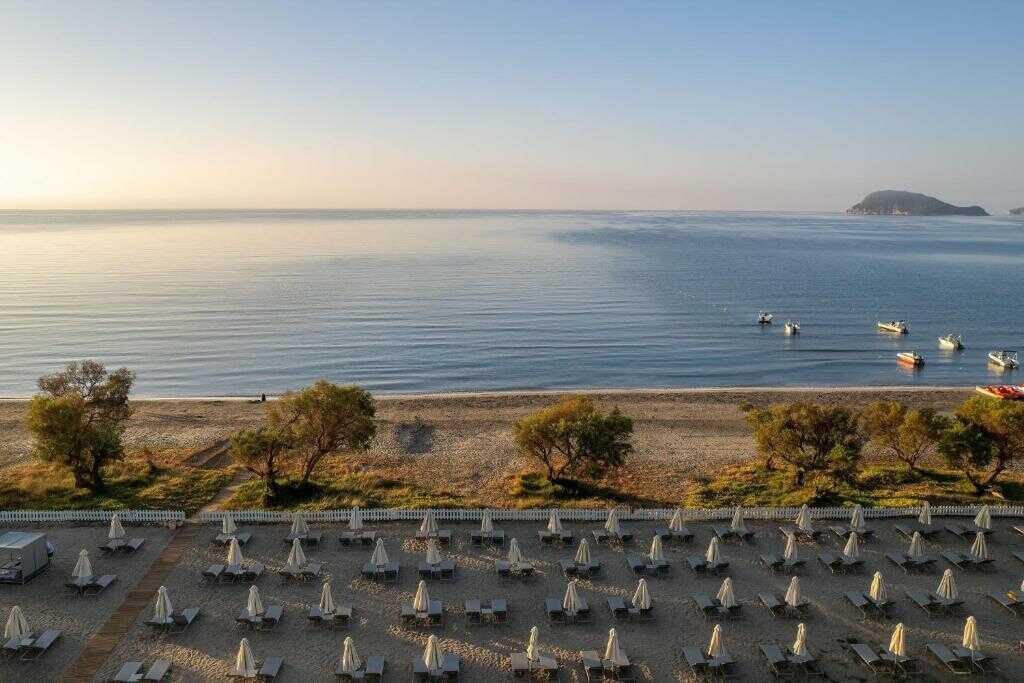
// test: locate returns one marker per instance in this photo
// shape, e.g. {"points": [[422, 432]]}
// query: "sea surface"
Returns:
{"points": [[212, 303]]}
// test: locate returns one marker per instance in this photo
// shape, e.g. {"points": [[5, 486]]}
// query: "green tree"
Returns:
{"points": [[907, 435], [987, 437], [572, 438], [78, 420], [264, 452], [809, 438]]}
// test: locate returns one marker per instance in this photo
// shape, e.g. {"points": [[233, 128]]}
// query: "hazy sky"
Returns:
{"points": [[693, 105]]}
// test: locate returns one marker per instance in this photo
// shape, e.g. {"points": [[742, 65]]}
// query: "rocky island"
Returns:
{"points": [[898, 203], [1019, 211]]}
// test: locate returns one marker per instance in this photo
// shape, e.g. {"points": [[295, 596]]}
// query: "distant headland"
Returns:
{"points": [[899, 203], [1019, 211]]}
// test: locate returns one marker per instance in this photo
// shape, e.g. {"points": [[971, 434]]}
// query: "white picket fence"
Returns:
{"points": [[10, 517]]}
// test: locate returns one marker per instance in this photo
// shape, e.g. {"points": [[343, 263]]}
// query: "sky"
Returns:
{"points": [[565, 105]]}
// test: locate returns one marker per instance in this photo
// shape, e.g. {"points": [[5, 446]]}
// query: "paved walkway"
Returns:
{"points": [[103, 643]]}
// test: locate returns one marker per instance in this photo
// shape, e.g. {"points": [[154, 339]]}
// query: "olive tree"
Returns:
{"points": [[905, 434], [264, 452], [986, 438]]}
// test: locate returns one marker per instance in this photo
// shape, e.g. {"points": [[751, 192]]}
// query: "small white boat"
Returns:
{"points": [[951, 341], [792, 328], [910, 358], [896, 326], [764, 318], [1004, 359]]}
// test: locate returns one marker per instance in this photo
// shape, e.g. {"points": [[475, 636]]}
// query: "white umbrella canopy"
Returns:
{"points": [[790, 553], [433, 656], [852, 548], [296, 558], [429, 524], [713, 555], [657, 553], [947, 587], [716, 648], [877, 591], [983, 519], [515, 555], [351, 662], [571, 601], [433, 552], [327, 599], [163, 608], [793, 592], [227, 525], [800, 644], [234, 553], [857, 517], [355, 520], [17, 625], [925, 516], [916, 549], [642, 596], [803, 520], [583, 553], [676, 523], [737, 523], [421, 601], [83, 568], [971, 640], [725, 594], [254, 605], [380, 555], [613, 649], [486, 522], [245, 663], [611, 524], [555, 523], [299, 526], [116, 530], [979, 548], [532, 649], [898, 644]]}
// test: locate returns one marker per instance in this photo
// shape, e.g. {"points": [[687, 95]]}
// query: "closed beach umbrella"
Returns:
{"points": [[299, 526], [296, 558], [897, 644], [245, 663], [379, 556], [852, 549], [980, 547], [163, 609], [857, 518], [642, 596], [515, 555], [486, 522], [254, 605], [227, 525], [713, 555], [877, 591], [737, 524], [916, 549], [803, 520], [800, 644], [971, 640], [613, 649], [611, 524], [116, 530], [555, 523], [234, 553], [925, 516], [421, 601], [725, 595], [17, 625], [983, 519], [83, 568], [326, 599], [790, 553], [947, 587], [433, 656], [355, 520], [351, 662], [716, 648], [583, 553], [676, 523], [433, 554], [532, 649], [793, 592], [429, 525], [657, 553], [571, 601]]}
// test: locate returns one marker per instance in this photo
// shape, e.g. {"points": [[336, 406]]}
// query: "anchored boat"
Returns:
{"points": [[764, 318], [792, 328], [909, 358], [895, 326], [953, 342], [1004, 359]]}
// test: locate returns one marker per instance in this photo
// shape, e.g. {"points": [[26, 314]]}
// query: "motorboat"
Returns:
{"points": [[792, 328], [895, 326], [1002, 391], [910, 358], [764, 318], [953, 342], [1004, 359]]}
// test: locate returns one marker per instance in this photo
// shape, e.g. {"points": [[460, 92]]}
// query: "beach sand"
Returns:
{"points": [[207, 649]]}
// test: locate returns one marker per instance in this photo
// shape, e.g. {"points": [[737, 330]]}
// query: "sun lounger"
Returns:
{"points": [[497, 537], [907, 529], [449, 671], [443, 536], [684, 535], [953, 663], [545, 666], [384, 572], [41, 645], [778, 563], [807, 664], [271, 667], [778, 664], [908, 563], [861, 602], [127, 545], [725, 533], [546, 536], [966, 531], [270, 618], [696, 661], [593, 667], [443, 571], [801, 535], [350, 538], [1019, 555], [339, 619], [553, 608], [925, 601], [159, 671], [701, 566], [866, 655], [98, 585], [965, 561], [839, 564], [709, 607], [570, 568], [312, 538], [373, 670], [843, 532], [723, 666], [130, 672], [1012, 605], [601, 535], [905, 666], [523, 570], [433, 616], [213, 572], [976, 660], [242, 537], [618, 608]]}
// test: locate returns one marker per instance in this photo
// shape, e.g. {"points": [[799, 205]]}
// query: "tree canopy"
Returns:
{"points": [[906, 434], [987, 437]]}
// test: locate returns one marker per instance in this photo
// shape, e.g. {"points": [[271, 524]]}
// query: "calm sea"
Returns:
{"points": [[242, 302]]}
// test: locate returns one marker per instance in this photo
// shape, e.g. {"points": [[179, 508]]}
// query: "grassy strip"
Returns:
{"points": [[342, 491]]}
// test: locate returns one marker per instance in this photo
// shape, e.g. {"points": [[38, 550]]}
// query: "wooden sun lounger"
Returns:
{"points": [[1012, 605], [41, 645], [966, 531], [696, 661], [684, 535], [952, 663]]}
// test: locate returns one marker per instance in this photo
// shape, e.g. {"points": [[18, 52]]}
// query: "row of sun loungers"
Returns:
{"points": [[124, 545], [544, 666], [267, 670], [702, 666], [840, 564], [934, 604], [443, 571], [222, 573], [710, 608], [449, 670], [598, 669], [340, 618], [372, 670], [270, 618], [177, 622], [494, 610], [31, 648], [783, 663], [780, 608], [868, 607], [910, 564], [132, 671], [433, 616], [559, 615], [93, 585]]}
